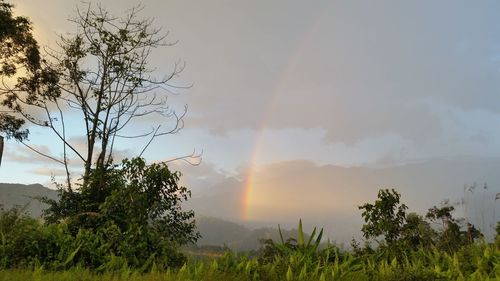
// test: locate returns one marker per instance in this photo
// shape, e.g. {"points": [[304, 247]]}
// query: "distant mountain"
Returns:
{"points": [[25, 196], [237, 237]]}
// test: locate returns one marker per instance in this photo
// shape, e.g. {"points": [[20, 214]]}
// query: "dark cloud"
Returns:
{"points": [[361, 71]]}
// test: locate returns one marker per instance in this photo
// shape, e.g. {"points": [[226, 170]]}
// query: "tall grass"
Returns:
{"points": [[478, 262], [41, 257], [301, 261]]}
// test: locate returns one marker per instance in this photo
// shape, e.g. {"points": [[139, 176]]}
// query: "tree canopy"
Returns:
{"points": [[18, 53], [385, 217]]}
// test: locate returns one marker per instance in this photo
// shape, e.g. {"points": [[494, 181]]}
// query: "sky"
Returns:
{"points": [[307, 108]]}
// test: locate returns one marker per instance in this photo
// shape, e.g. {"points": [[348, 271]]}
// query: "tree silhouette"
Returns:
{"points": [[18, 53]]}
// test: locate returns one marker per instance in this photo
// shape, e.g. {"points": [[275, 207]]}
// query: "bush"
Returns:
{"points": [[125, 216], [26, 242]]}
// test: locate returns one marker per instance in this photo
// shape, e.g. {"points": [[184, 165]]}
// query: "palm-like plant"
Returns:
{"points": [[291, 245]]}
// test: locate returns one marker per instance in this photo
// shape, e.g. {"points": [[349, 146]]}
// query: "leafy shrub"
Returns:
{"points": [[26, 242], [307, 247], [386, 217], [125, 216]]}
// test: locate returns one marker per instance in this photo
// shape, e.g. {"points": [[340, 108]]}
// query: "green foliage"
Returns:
{"points": [[272, 250], [476, 261], [385, 217], [126, 215], [18, 46], [451, 237], [417, 233], [409, 232], [18, 50], [27, 242]]}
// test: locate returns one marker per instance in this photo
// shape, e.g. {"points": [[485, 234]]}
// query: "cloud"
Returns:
{"points": [[360, 72], [49, 172], [20, 154]]}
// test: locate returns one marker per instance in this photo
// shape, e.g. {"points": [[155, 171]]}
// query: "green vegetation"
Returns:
{"points": [[387, 219], [31, 250], [114, 216], [132, 218], [475, 263], [18, 52]]}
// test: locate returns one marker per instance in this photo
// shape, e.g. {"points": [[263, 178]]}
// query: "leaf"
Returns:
{"points": [[72, 255], [281, 235], [148, 263], [311, 237], [318, 240], [289, 274], [301, 234], [303, 273]]}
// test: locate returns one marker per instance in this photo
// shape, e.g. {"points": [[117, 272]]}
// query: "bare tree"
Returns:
{"points": [[100, 73]]}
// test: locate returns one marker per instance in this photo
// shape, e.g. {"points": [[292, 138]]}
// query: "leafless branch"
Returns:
{"points": [[41, 153], [193, 158]]}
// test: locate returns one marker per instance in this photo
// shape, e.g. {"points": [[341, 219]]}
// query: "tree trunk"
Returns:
{"points": [[1, 149]]}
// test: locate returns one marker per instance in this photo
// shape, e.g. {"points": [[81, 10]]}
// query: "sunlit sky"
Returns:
{"points": [[306, 108]]}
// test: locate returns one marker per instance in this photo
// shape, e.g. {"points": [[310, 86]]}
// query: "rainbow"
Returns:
{"points": [[249, 194]]}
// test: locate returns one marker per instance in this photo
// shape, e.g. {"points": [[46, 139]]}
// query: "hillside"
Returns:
{"points": [[25, 196]]}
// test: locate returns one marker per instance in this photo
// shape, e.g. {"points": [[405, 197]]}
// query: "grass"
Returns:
{"points": [[480, 262], [284, 260], [86, 275]]}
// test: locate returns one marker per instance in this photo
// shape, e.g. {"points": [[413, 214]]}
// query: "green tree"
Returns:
{"points": [[134, 207], [451, 236], [386, 217], [417, 232], [19, 52]]}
